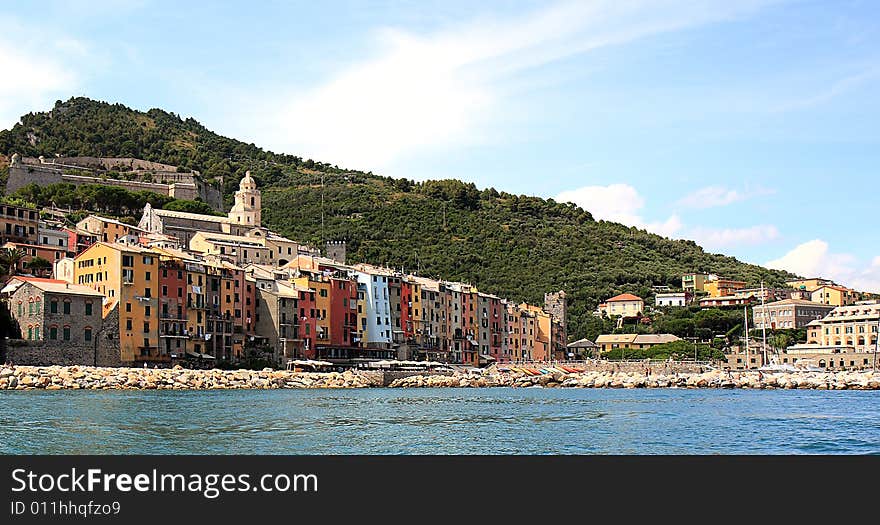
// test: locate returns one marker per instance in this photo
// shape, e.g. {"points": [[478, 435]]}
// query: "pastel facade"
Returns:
{"points": [[127, 276], [788, 314], [834, 295], [624, 305]]}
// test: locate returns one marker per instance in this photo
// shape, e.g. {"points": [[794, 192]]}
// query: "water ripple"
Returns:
{"points": [[441, 421]]}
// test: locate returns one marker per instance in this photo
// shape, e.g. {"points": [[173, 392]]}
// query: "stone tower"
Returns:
{"points": [[556, 304], [246, 210], [336, 251]]}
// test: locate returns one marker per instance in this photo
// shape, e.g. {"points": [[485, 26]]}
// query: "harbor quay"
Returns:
{"points": [[107, 378]]}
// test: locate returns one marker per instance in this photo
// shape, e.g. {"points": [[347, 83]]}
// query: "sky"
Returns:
{"points": [[750, 127]]}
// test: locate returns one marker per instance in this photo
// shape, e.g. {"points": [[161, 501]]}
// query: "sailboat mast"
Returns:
{"points": [[763, 324], [746, 319]]}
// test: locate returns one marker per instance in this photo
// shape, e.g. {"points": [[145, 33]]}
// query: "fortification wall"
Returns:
{"points": [[178, 185]]}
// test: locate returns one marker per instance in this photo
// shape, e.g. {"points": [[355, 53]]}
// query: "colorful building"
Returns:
{"points": [[128, 277]]}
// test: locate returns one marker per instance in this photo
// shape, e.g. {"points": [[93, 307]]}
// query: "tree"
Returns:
{"points": [[38, 265], [10, 260]]}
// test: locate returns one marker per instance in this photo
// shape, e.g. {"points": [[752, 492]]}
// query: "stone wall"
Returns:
{"points": [[178, 185], [45, 353], [102, 351], [601, 365]]}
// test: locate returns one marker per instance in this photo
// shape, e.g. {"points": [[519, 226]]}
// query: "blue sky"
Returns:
{"points": [[750, 127]]}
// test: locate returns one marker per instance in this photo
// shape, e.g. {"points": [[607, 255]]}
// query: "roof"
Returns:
{"points": [[798, 302], [582, 343], [191, 216], [121, 247], [656, 338], [645, 339], [616, 338], [38, 246], [53, 286], [113, 221], [834, 287], [727, 298], [624, 297]]}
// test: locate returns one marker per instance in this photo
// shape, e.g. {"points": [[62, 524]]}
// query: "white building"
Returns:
{"points": [[377, 306], [670, 299]]}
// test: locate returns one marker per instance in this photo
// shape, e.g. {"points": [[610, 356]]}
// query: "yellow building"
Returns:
{"points": [[541, 339], [623, 305], [808, 285], [238, 249], [695, 282], [834, 295], [321, 287], [608, 342], [106, 230], [128, 277], [723, 287]]}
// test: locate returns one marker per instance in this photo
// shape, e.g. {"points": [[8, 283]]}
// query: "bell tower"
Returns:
{"points": [[246, 210]]}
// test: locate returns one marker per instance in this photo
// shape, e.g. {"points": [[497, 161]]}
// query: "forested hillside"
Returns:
{"points": [[513, 245]]}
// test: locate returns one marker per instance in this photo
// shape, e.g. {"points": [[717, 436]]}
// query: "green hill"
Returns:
{"points": [[516, 246]]}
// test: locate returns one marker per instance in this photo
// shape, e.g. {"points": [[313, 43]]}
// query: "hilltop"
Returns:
{"points": [[516, 246]]}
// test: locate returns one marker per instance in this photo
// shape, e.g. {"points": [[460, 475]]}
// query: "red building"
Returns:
{"points": [[406, 313], [343, 311], [497, 327], [308, 322], [172, 307]]}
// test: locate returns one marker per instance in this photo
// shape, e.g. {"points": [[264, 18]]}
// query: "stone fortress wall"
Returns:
{"points": [[166, 179]]}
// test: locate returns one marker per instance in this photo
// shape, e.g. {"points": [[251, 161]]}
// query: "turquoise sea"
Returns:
{"points": [[441, 421]]}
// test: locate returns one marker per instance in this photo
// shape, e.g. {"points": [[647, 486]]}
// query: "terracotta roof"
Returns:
{"points": [[624, 297], [57, 286]]}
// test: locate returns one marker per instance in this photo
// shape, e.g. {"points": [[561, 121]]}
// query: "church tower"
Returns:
{"points": [[246, 210]]}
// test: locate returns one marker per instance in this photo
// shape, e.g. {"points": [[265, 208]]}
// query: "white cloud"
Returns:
{"points": [[815, 259], [717, 196], [715, 238], [32, 82], [618, 203], [622, 203], [443, 89], [39, 64]]}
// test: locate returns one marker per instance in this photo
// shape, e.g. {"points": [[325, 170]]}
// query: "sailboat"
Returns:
{"points": [[771, 364]]}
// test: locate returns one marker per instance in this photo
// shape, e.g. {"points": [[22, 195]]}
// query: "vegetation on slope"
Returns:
{"points": [[515, 246]]}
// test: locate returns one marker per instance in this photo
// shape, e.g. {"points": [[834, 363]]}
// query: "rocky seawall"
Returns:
{"points": [[855, 380], [177, 378], [106, 378]]}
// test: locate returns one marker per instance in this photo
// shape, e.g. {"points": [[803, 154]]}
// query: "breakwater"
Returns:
{"points": [[106, 378]]}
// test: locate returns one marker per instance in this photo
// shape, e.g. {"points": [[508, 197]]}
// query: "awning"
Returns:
{"points": [[310, 362], [203, 356]]}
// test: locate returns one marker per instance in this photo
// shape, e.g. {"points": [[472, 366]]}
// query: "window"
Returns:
{"points": [[53, 306], [37, 332], [67, 307], [66, 333], [146, 327], [87, 334], [53, 333], [88, 308], [128, 324], [147, 310], [128, 260]]}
